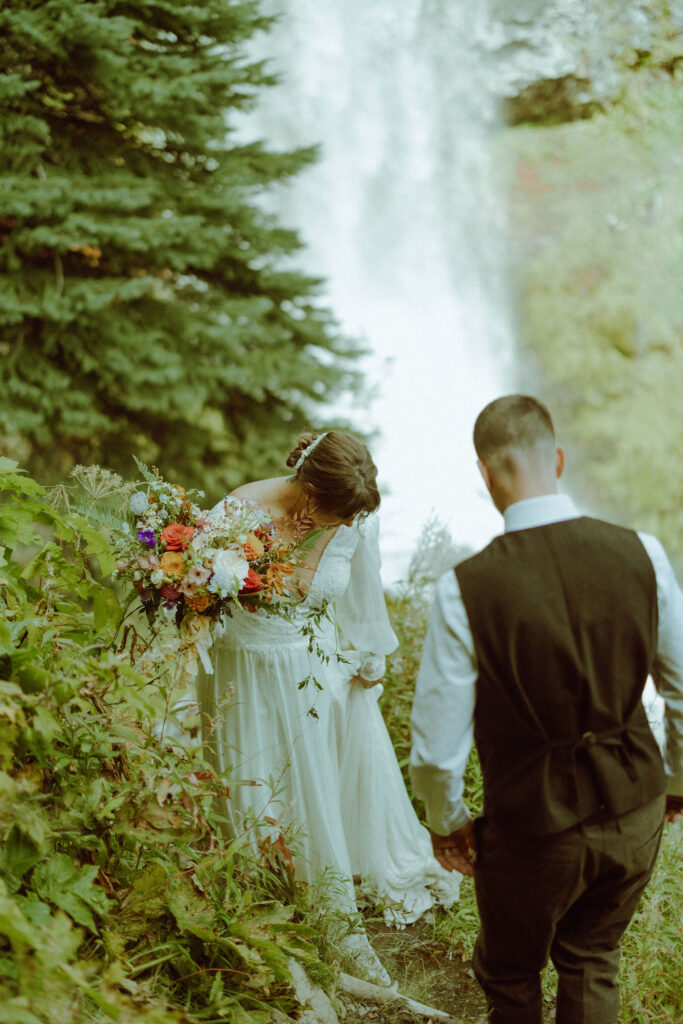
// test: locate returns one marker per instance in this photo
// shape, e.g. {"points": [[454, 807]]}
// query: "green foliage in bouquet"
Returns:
{"points": [[120, 899], [149, 304], [191, 561]]}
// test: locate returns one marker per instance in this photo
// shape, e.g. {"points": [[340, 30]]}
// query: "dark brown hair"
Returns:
{"points": [[514, 421], [339, 474]]}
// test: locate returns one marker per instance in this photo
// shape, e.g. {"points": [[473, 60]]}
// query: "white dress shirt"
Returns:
{"points": [[443, 708]]}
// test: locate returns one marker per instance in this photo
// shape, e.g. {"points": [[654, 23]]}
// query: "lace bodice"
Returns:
{"points": [[347, 577]]}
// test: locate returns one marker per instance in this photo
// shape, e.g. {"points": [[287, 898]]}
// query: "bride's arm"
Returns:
{"points": [[362, 612]]}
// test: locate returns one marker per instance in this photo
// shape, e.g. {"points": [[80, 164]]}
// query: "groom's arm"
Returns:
{"points": [[442, 720], [667, 670]]}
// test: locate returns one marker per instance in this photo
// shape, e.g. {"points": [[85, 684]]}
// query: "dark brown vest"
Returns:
{"points": [[564, 620]]}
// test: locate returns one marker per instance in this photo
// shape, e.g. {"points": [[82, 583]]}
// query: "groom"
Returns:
{"points": [[540, 647]]}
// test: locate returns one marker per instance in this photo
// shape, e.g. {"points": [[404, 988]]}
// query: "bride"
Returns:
{"points": [[332, 771]]}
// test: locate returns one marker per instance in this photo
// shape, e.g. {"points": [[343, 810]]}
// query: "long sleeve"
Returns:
{"points": [[667, 671], [443, 710], [361, 611]]}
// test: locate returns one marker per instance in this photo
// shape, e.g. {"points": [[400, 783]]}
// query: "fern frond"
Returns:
{"points": [[100, 515], [149, 475], [304, 546]]}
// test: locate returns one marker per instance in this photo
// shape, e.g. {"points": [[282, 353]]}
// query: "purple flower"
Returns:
{"points": [[147, 537]]}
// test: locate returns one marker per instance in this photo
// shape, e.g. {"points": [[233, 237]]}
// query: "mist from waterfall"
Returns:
{"points": [[400, 217]]}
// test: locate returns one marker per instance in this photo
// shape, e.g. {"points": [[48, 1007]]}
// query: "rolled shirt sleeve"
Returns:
{"points": [[443, 710], [667, 671]]}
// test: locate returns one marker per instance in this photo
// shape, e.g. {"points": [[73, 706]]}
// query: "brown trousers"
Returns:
{"points": [[568, 897]]}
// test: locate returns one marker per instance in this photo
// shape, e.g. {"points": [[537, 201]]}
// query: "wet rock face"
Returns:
{"points": [[563, 59]]}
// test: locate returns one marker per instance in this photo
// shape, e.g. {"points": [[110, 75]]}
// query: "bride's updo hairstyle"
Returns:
{"points": [[338, 474]]}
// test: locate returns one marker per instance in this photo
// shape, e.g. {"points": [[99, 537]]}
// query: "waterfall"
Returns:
{"points": [[399, 215]]}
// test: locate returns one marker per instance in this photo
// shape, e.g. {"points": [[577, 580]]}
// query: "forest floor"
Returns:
{"points": [[429, 971], [431, 960]]}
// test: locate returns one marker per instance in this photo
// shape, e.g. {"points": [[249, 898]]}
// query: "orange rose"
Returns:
{"points": [[199, 603], [176, 537], [173, 564], [253, 548], [252, 584]]}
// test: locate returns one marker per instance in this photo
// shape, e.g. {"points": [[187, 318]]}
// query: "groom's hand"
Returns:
{"points": [[456, 851], [674, 809]]}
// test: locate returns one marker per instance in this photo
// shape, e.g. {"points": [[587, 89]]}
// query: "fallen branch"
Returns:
{"points": [[365, 990]]}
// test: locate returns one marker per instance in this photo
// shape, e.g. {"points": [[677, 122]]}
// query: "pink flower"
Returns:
{"points": [[196, 577], [148, 562], [142, 590]]}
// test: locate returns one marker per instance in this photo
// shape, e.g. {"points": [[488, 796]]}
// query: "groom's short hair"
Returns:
{"points": [[514, 421]]}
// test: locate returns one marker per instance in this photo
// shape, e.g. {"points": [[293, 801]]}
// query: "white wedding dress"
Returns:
{"points": [[333, 775]]}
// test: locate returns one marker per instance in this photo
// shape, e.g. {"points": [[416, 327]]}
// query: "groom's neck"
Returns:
{"points": [[523, 473], [511, 497]]}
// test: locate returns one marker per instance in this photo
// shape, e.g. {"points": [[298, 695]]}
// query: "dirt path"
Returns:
{"points": [[427, 970], [430, 971]]}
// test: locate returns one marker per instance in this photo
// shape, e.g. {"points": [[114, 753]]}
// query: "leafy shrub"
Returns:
{"points": [[119, 897], [409, 613]]}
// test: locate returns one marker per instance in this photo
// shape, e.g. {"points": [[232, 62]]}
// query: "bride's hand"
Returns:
{"points": [[367, 684]]}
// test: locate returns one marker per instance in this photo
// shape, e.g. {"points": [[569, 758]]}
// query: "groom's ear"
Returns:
{"points": [[486, 476], [559, 462]]}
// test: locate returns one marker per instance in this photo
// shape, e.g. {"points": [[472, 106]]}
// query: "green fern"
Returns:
{"points": [[151, 476], [103, 515]]}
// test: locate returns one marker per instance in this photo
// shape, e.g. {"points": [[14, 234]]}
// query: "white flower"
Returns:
{"points": [[156, 578], [229, 573], [138, 503]]}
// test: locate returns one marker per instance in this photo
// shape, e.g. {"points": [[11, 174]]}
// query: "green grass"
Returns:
{"points": [[651, 978]]}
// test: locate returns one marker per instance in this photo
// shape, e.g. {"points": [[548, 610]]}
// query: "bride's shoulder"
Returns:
{"points": [[368, 526], [266, 493], [253, 495], [362, 536]]}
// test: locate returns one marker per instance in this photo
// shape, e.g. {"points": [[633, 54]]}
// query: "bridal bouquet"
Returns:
{"points": [[194, 566]]}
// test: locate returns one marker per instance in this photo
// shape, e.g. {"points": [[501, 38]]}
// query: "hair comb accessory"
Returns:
{"points": [[307, 451]]}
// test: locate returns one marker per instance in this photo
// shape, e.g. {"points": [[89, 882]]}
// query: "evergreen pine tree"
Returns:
{"points": [[148, 304]]}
